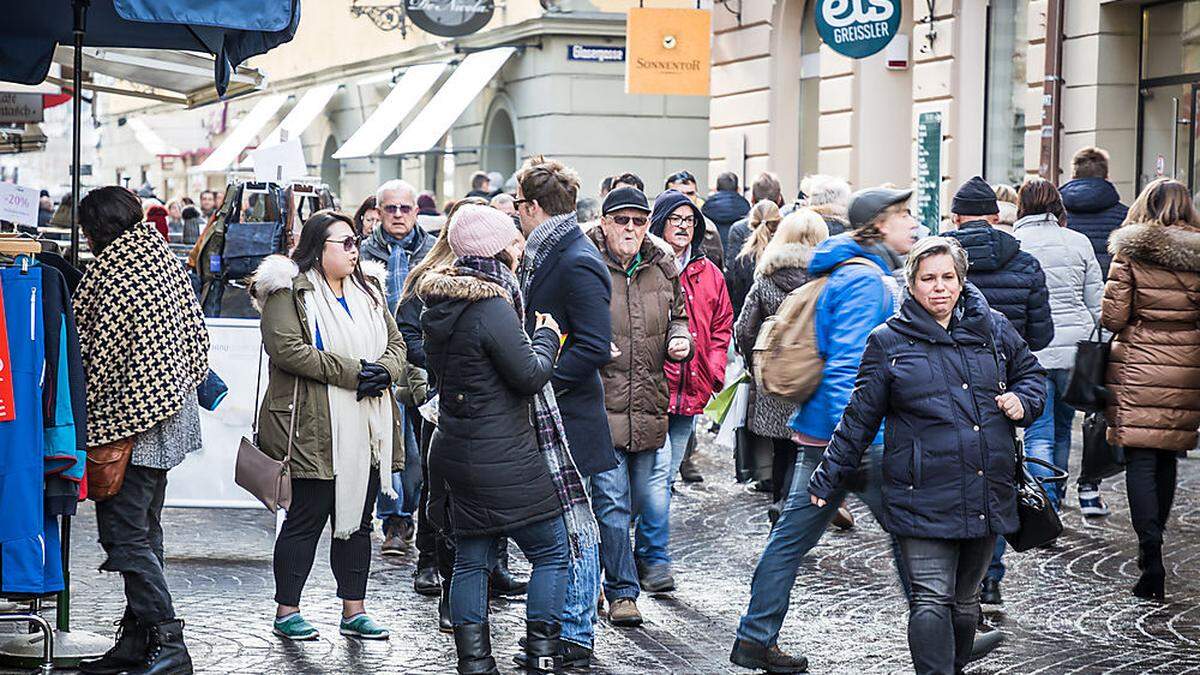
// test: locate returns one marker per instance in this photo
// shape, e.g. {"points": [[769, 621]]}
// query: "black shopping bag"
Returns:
{"points": [[1085, 389], [1100, 458]]}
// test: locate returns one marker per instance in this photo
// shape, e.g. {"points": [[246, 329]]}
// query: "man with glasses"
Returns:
{"points": [[650, 329], [714, 244]]}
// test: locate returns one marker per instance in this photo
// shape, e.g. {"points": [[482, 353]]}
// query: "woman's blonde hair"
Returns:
{"points": [[439, 254], [802, 226], [1166, 202], [764, 219]]}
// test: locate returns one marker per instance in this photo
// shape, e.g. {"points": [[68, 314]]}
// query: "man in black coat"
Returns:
{"points": [[1093, 206], [726, 206]]}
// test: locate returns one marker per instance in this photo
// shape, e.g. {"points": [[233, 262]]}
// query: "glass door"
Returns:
{"points": [[1168, 134]]}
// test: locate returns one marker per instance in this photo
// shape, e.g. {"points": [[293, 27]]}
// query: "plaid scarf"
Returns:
{"points": [[542, 241], [582, 530], [398, 255]]}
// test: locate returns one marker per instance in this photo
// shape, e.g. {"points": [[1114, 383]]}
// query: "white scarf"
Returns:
{"points": [[361, 430]]}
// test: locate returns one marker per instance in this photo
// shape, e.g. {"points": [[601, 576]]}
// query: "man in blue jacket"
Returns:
{"points": [[1093, 205]]}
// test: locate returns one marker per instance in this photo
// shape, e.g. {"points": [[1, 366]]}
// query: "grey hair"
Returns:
{"points": [[587, 209], [395, 185], [826, 190], [929, 247], [503, 198]]}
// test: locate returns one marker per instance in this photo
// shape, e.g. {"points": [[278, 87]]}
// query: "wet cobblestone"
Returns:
{"points": [[1066, 610]]}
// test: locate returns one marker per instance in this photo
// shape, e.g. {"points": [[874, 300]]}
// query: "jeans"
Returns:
{"points": [[996, 568], [944, 610], [798, 529], [583, 589], [130, 528], [1150, 482], [406, 483], [634, 489], [679, 433], [545, 546], [1049, 437]]}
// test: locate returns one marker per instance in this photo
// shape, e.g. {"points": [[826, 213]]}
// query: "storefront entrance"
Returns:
{"points": [[1169, 93]]}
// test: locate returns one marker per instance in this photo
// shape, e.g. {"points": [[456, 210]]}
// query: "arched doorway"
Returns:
{"points": [[500, 144], [331, 169]]}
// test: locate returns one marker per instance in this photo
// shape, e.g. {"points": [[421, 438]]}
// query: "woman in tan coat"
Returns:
{"points": [[1152, 302]]}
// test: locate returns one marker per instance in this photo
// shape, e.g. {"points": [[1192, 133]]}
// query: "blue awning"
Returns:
{"points": [[230, 30]]}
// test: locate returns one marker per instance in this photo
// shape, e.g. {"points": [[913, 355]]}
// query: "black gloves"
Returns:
{"points": [[373, 380]]}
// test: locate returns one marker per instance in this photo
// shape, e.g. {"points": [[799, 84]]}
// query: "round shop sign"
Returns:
{"points": [[858, 28], [450, 18]]}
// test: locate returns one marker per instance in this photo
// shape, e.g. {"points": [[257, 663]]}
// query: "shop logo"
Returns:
{"points": [[858, 28], [450, 18]]}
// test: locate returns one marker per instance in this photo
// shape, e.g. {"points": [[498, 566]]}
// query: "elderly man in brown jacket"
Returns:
{"points": [[649, 326]]}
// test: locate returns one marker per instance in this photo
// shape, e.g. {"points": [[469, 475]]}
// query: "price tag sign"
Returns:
{"points": [[18, 204], [8, 412]]}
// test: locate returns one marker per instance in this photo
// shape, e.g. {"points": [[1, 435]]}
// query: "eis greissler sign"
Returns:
{"points": [[858, 28]]}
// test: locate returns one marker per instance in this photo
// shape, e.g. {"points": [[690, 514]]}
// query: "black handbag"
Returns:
{"points": [[1100, 458], [1039, 522], [1085, 388]]}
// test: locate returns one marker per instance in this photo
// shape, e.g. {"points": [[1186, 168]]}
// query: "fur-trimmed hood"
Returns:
{"points": [[443, 284], [279, 272], [1173, 247], [784, 257]]}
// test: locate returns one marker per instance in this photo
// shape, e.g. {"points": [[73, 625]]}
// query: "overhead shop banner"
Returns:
{"points": [[858, 28], [669, 51]]}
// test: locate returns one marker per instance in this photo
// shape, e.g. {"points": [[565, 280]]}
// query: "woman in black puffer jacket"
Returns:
{"points": [[951, 377]]}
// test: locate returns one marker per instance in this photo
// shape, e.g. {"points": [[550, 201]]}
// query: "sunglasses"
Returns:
{"points": [[399, 208], [638, 221], [348, 243]]}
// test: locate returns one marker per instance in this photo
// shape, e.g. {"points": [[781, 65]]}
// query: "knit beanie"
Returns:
{"points": [[480, 231], [975, 198]]}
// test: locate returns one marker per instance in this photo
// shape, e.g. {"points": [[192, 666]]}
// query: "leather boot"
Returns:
{"points": [[445, 625], [543, 651], [1152, 584], [473, 642], [503, 583], [125, 654], [166, 654]]}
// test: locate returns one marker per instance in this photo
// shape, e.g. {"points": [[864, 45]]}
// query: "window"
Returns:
{"points": [[1171, 39], [1006, 87]]}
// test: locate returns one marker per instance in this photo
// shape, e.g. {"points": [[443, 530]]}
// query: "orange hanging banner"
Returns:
{"points": [[669, 51]]}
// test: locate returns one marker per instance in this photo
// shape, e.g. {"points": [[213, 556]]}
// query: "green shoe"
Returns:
{"points": [[361, 626], [294, 627]]}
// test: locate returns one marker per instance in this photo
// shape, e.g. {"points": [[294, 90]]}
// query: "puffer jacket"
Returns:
{"points": [[278, 289], [487, 371], [648, 311], [710, 316], [1094, 208], [1152, 303], [1011, 279], [783, 270], [1072, 279], [724, 209], [949, 458]]}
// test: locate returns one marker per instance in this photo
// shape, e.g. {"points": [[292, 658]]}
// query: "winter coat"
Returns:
{"points": [[408, 315], [854, 301], [573, 286], [739, 272], [949, 458], [485, 449], [835, 217], [1152, 302], [710, 317], [724, 208], [783, 270], [1095, 209], [1011, 279], [279, 289], [1072, 279], [648, 311]]}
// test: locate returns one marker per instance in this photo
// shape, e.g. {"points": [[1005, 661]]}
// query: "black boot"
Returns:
{"points": [[166, 653], [473, 642], [543, 650], [125, 654], [749, 654], [1152, 584], [503, 583], [989, 592], [425, 581], [573, 655], [445, 625]]}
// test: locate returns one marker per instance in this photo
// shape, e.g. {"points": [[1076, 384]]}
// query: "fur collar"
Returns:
{"points": [[1176, 247], [443, 284], [279, 272], [784, 257]]}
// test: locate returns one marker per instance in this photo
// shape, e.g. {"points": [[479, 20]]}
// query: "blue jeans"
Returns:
{"points": [[798, 529], [544, 545], [634, 489], [406, 483], [583, 589], [1049, 437], [679, 434]]}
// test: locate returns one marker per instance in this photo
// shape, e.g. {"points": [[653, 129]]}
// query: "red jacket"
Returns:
{"points": [[710, 320]]}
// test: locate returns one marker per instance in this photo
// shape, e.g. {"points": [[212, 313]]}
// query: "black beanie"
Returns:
{"points": [[975, 198]]}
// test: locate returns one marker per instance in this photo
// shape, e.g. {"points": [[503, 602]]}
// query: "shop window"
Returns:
{"points": [[1171, 39], [1004, 113]]}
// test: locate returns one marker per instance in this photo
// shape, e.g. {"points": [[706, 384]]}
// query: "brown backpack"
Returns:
{"points": [[787, 362]]}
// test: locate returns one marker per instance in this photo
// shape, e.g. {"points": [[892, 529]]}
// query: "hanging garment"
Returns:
{"points": [[63, 396]]}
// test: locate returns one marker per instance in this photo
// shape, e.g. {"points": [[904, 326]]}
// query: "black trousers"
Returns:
{"points": [[350, 559], [435, 548], [130, 528], [783, 463], [1150, 482]]}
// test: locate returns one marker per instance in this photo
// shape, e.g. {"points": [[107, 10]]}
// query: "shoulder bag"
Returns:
{"points": [[106, 466], [1085, 389], [267, 478]]}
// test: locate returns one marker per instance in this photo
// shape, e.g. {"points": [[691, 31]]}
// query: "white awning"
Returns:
{"points": [[149, 138], [305, 111], [241, 136], [180, 77], [471, 76], [400, 101]]}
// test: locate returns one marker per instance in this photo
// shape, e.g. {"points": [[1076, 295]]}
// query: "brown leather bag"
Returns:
{"points": [[106, 465], [256, 472]]}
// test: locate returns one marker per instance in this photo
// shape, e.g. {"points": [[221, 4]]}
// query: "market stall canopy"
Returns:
{"points": [[302, 114], [230, 30], [242, 135], [404, 96], [183, 78]]}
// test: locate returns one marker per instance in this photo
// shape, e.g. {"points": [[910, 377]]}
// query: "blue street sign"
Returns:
{"points": [[858, 28]]}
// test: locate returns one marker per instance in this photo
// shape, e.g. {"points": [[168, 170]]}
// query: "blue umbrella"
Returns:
{"points": [[230, 30]]}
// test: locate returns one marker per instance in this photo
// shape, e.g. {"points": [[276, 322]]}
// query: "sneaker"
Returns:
{"points": [[989, 592], [749, 654], [295, 627], [392, 545], [1090, 503], [624, 612], [362, 626]]}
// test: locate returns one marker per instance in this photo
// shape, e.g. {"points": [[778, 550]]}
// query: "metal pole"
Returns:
{"points": [[1052, 92], [80, 7], [63, 606], [1175, 138]]}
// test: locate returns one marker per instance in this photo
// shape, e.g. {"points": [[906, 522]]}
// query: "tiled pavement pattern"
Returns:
{"points": [[1066, 611]]}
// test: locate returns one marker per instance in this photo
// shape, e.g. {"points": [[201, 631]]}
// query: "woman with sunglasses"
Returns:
{"points": [[335, 353]]}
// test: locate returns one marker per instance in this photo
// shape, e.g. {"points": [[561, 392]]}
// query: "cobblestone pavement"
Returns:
{"points": [[1066, 611]]}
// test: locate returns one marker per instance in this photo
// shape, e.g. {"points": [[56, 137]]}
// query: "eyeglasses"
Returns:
{"points": [[349, 243], [405, 209], [518, 202], [681, 221], [638, 221]]}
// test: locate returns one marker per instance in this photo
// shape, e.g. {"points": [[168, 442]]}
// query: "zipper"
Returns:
{"points": [[683, 367], [32, 314], [982, 442], [917, 463]]}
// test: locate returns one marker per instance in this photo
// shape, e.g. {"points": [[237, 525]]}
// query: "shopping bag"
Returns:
{"points": [[719, 406], [1085, 388], [1100, 459], [735, 415]]}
